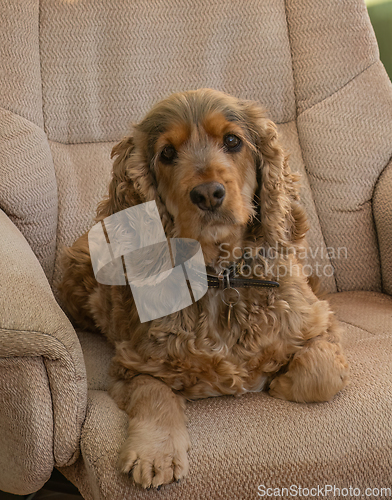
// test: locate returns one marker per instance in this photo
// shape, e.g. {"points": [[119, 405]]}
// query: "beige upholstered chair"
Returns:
{"points": [[74, 75]]}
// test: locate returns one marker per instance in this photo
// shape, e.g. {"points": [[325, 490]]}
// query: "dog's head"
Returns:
{"points": [[215, 168]]}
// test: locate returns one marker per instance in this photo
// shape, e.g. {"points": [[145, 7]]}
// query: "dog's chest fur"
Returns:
{"points": [[195, 352]]}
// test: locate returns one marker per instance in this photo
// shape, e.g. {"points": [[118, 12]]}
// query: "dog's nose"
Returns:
{"points": [[208, 196]]}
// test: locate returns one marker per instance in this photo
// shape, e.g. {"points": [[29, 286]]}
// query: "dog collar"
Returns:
{"points": [[229, 279]]}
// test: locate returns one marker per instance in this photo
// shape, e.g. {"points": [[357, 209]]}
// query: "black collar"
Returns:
{"points": [[231, 277]]}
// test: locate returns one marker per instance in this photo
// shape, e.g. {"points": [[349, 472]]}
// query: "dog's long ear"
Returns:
{"points": [[132, 181], [280, 218], [122, 193]]}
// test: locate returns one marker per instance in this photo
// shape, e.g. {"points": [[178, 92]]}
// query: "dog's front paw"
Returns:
{"points": [[155, 456]]}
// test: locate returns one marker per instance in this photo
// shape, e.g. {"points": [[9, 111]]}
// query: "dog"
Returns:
{"points": [[218, 174]]}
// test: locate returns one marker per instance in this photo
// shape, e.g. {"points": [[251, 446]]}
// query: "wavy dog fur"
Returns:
{"points": [[285, 340]]}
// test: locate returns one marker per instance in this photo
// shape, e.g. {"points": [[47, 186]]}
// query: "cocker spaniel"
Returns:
{"points": [[214, 166]]}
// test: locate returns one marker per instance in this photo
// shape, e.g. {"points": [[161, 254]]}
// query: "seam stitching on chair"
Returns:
{"points": [[376, 184], [18, 115], [47, 138], [359, 327], [299, 138], [339, 89]]}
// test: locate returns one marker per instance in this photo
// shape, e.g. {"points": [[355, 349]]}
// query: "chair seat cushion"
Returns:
{"points": [[242, 446]]}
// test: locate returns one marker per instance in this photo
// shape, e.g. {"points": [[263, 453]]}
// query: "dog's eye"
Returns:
{"points": [[232, 143], [168, 154]]}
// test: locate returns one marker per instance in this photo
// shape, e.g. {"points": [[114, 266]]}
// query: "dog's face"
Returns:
{"points": [[203, 156], [205, 171]]}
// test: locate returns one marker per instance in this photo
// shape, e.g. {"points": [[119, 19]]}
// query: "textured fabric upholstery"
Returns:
{"points": [[26, 439], [124, 56], [346, 143], [28, 191], [382, 206], [74, 75], [344, 128], [331, 45], [20, 83], [42, 372]]}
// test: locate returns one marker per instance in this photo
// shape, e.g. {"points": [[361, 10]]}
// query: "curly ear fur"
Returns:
{"points": [[133, 181], [283, 220], [122, 193]]}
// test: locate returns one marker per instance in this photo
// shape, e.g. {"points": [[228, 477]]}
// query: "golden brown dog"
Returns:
{"points": [[215, 169]]}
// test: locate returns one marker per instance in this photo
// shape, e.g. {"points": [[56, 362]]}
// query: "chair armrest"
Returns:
{"points": [[382, 212], [43, 385]]}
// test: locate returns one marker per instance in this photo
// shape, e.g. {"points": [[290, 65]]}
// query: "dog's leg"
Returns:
{"points": [[316, 372], [158, 441]]}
